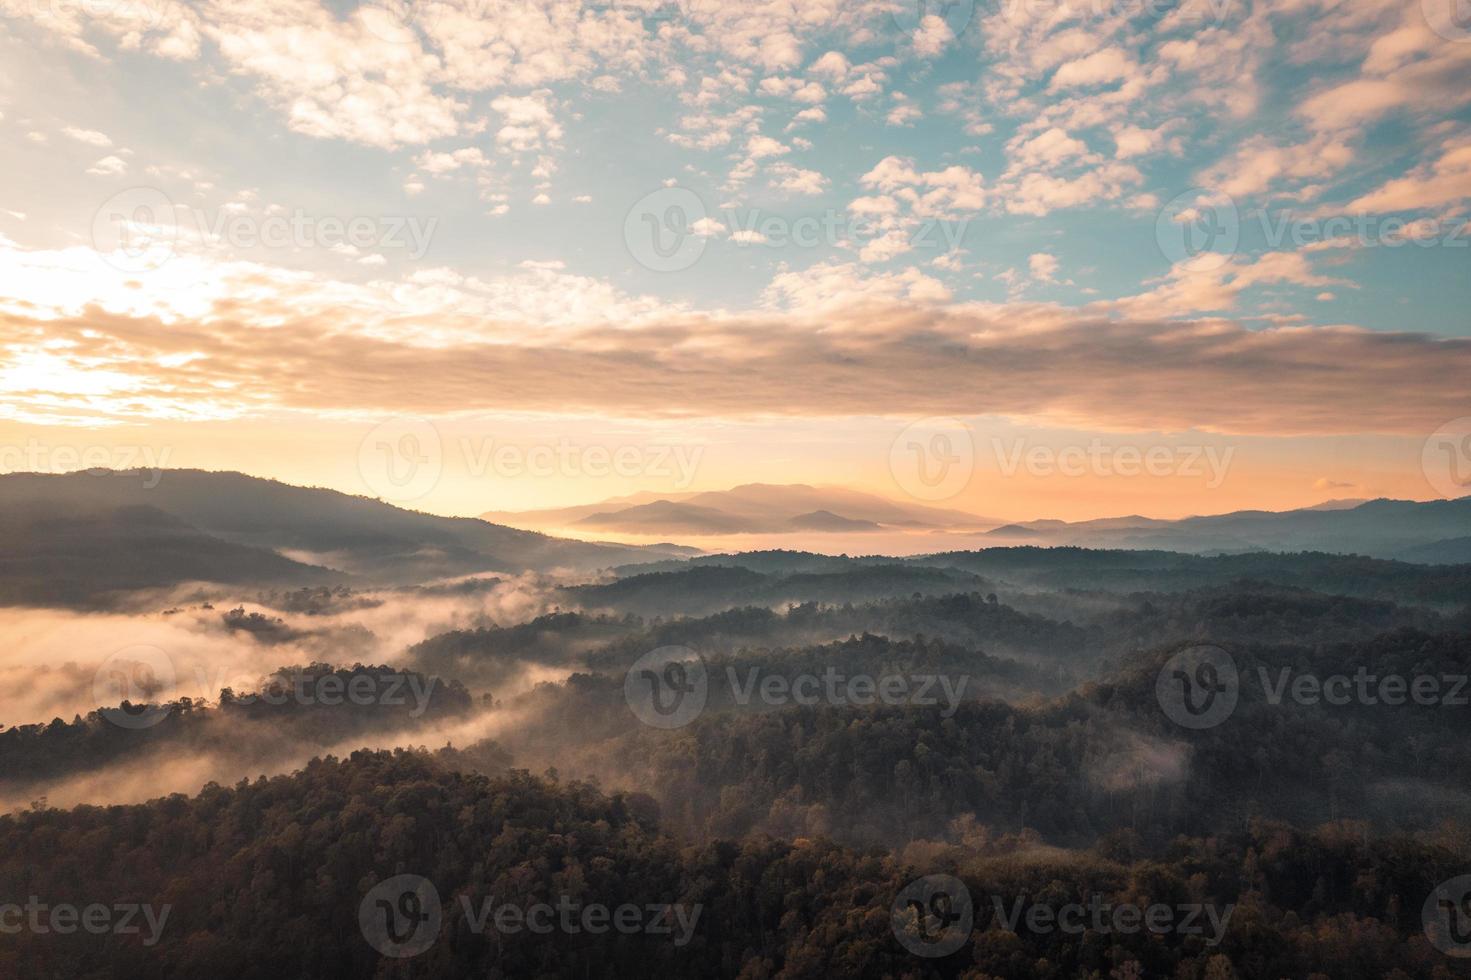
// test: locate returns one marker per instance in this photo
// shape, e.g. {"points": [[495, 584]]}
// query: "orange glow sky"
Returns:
{"points": [[823, 242]]}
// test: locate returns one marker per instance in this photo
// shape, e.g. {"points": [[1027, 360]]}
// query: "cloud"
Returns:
{"points": [[1042, 266], [933, 36], [529, 123], [1446, 181], [108, 166], [1100, 67], [904, 113], [796, 180], [1261, 165], [936, 193], [831, 340], [89, 136], [758, 147], [443, 163]]}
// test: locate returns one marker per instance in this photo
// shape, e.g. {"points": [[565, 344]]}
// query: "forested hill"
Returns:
{"points": [[271, 878]]}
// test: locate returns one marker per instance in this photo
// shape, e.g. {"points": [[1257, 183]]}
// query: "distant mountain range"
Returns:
{"points": [[1437, 531], [754, 508], [79, 537], [1433, 531]]}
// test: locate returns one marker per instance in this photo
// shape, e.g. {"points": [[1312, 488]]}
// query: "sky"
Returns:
{"points": [[1025, 258]]}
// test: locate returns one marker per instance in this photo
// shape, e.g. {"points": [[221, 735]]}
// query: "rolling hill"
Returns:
{"points": [[753, 508], [72, 536]]}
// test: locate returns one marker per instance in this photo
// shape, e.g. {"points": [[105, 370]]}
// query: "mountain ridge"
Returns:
{"points": [[324, 534]]}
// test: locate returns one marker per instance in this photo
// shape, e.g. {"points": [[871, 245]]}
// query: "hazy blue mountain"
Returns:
{"points": [[1379, 528], [228, 527], [51, 554], [753, 508]]}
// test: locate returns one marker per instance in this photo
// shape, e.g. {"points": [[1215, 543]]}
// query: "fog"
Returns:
{"points": [[52, 664]]}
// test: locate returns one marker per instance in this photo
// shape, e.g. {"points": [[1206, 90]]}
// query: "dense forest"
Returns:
{"points": [[865, 729]]}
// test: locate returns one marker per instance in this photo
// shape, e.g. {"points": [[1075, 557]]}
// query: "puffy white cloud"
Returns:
{"points": [[89, 136], [109, 166]]}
